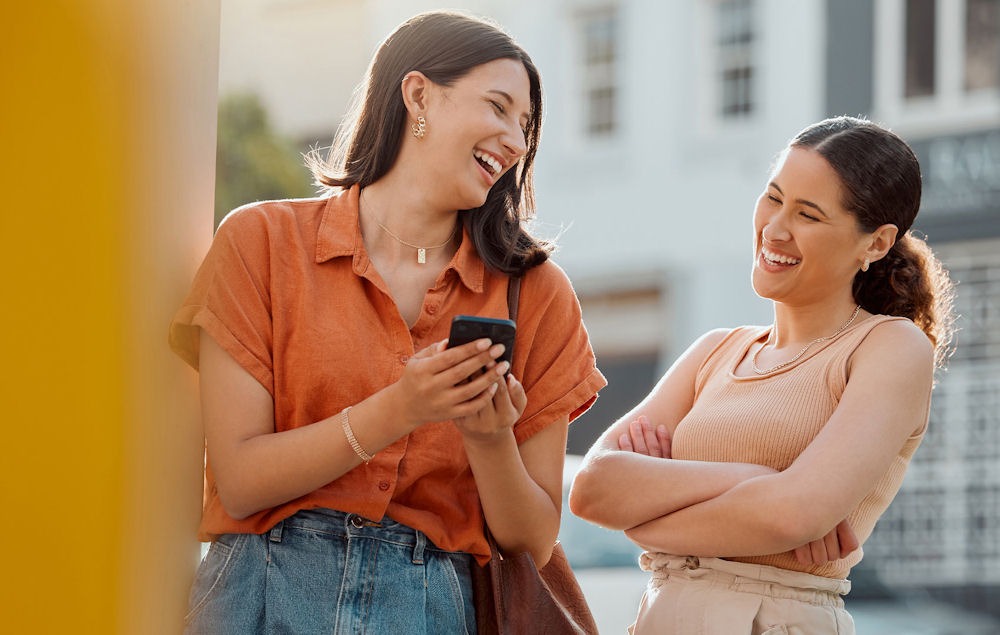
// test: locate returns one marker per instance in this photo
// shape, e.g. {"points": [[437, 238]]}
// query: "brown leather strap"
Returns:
{"points": [[513, 295]]}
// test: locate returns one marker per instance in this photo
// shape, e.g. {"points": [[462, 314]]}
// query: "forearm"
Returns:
{"points": [[620, 490], [751, 519], [519, 512], [270, 469]]}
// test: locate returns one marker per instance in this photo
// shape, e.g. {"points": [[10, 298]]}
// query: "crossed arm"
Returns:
{"points": [[731, 509]]}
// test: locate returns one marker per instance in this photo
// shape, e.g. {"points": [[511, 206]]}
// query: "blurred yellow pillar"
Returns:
{"points": [[107, 132]]}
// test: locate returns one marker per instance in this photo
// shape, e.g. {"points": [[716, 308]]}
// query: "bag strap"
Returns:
{"points": [[513, 295]]}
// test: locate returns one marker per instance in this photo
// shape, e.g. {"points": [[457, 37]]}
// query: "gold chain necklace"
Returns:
{"points": [[421, 251], [753, 360]]}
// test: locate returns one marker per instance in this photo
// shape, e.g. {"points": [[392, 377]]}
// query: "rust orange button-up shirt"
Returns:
{"points": [[288, 290]]}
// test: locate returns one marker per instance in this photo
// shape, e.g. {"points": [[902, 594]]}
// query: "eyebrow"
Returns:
{"points": [[802, 201]]}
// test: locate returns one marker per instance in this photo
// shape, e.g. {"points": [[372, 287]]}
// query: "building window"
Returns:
{"points": [[982, 45], [734, 37], [599, 35], [919, 80], [937, 63]]}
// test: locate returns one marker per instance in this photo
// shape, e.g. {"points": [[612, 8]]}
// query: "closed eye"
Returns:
{"points": [[499, 107], [774, 199], [809, 216]]}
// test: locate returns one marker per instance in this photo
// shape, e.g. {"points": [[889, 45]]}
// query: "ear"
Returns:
{"points": [[881, 241], [415, 89]]}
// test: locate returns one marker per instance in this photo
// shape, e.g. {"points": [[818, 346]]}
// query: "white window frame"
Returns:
{"points": [[605, 75], [735, 51], [951, 107]]}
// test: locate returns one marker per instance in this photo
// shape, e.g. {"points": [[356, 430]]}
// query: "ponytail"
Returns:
{"points": [[911, 282]]}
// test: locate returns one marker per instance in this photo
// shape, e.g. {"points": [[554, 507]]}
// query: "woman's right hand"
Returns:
{"points": [[838, 543], [442, 383]]}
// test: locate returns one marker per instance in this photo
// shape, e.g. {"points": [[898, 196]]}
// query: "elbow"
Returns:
{"points": [[583, 496], [236, 506], [793, 525], [542, 557], [589, 500]]}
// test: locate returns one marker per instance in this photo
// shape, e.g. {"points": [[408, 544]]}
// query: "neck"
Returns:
{"points": [[796, 325], [391, 217]]}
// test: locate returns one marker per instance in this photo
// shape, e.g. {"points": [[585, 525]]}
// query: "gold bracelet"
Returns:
{"points": [[345, 422]]}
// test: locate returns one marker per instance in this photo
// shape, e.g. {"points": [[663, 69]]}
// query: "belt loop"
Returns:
{"points": [[275, 534], [418, 547]]}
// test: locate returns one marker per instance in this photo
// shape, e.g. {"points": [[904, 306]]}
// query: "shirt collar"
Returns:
{"points": [[339, 235]]}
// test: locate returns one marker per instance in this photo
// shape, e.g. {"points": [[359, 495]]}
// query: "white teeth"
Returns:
{"points": [[489, 160], [785, 260]]}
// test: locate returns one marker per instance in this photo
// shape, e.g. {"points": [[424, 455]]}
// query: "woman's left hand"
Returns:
{"points": [[642, 437], [500, 413]]}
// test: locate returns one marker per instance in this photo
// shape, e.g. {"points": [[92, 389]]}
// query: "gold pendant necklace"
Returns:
{"points": [[753, 359], [421, 251]]}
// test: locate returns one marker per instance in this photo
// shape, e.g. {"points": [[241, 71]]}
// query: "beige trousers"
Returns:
{"points": [[709, 596]]}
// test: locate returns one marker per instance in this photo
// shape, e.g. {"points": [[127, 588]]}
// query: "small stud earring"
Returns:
{"points": [[419, 129], [864, 267]]}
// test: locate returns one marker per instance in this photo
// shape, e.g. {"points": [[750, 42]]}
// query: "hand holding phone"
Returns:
{"points": [[468, 328]]}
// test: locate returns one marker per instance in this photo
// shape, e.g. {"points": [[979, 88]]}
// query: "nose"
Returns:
{"points": [[775, 229], [514, 142]]}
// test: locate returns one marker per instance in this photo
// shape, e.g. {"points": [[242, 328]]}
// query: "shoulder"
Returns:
{"points": [[895, 342], [547, 285], [717, 339], [901, 336], [547, 276], [269, 215]]}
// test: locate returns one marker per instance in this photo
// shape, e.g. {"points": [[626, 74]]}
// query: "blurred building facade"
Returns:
{"points": [[662, 120]]}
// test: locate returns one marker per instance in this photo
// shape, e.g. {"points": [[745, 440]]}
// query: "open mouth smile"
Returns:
{"points": [[490, 163], [772, 258]]}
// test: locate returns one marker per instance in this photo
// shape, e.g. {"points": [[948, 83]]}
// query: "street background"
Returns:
{"points": [[662, 119]]}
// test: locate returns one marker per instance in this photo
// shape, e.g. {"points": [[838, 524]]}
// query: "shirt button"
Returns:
{"points": [[432, 309], [403, 359], [383, 485]]}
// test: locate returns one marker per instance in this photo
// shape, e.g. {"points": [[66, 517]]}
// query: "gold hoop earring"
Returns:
{"points": [[865, 265], [419, 129]]}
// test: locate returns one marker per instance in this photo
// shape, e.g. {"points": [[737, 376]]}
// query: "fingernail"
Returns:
{"points": [[497, 350], [502, 368], [483, 344]]}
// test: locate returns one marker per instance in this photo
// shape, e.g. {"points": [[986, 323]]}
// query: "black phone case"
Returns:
{"points": [[468, 328]]}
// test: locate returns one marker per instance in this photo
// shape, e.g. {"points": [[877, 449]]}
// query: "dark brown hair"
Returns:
{"points": [[881, 180], [444, 46]]}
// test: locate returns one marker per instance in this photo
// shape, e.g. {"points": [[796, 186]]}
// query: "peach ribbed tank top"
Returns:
{"points": [[770, 419]]}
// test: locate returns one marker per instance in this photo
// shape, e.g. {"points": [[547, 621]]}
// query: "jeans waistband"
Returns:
{"points": [[343, 525]]}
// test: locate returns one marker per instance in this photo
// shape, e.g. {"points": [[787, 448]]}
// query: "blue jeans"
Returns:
{"points": [[323, 571]]}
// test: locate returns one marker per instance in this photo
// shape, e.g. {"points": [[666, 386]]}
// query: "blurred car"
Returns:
{"points": [[606, 564]]}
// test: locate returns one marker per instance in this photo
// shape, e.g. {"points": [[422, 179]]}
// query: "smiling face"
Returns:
{"points": [[475, 131], [807, 246]]}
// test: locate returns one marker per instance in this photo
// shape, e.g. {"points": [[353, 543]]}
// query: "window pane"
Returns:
{"points": [[599, 34], [919, 48], [982, 44], [734, 40]]}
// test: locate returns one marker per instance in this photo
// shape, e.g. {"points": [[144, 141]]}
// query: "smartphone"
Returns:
{"points": [[468, 328]]}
